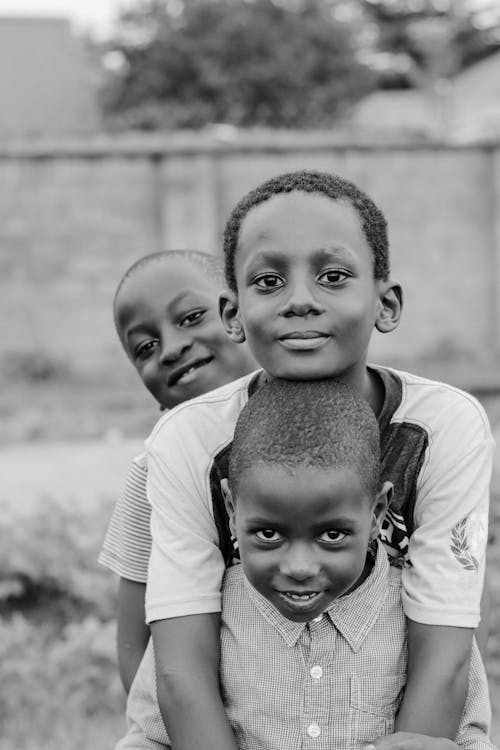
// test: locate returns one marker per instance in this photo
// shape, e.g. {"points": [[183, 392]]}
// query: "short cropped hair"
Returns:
{"points": [[208, 263], [373, 222], [307, 423]]}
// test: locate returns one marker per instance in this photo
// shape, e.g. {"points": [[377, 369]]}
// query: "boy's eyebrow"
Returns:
{"points": [[178, 298], [322, 523], [333, 252], [260, 521], [336, 521], [321, 254]]}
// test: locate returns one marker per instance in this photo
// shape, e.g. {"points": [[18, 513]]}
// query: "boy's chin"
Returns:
{"points": [[305, 373]]}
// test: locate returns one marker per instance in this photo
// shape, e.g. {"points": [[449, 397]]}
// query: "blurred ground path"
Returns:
{"points": [[85, 471]]}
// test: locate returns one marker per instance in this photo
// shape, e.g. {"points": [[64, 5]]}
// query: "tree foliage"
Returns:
{"points": [[285, 63], [244, 62], [432, 40]]}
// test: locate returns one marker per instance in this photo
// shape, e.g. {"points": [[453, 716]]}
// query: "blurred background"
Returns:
{"points": [[131, 127]]}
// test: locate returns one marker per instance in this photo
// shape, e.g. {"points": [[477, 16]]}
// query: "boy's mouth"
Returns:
{"points": [[300, 601], [304, 340], [187, 372]]}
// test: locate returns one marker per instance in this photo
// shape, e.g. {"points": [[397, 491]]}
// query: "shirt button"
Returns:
{"points": [[318, 618], [313, 730], [316, 672]]}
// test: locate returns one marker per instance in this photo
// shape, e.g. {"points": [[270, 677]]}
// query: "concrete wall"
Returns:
{"points": [[74, 216]]}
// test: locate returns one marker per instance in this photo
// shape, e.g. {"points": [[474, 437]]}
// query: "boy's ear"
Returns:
{"points": [[391, 305], [229, 312], [380, 506], [229, 503]]}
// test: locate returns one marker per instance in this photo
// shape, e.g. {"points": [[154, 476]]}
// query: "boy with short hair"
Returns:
{"points": [[166, 317], [313, 637], [307, 267]]}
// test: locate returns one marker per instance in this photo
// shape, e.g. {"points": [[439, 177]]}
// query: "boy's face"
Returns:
{"points": [[303, 536], [168, 322], [307, 298]]}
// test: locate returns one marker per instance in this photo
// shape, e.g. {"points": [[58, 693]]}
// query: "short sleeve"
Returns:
{"points": [[127, 544], [443, 582], [186, 565]]}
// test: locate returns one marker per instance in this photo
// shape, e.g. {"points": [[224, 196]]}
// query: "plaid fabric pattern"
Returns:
{"points": [[333, 682]]}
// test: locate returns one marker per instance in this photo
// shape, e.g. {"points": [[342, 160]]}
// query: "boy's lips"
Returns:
{"points": [[301, 340], [187, 372]]}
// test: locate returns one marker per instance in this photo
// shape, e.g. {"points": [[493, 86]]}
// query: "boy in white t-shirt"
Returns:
{"points": [[166, 317], [307, 266]]}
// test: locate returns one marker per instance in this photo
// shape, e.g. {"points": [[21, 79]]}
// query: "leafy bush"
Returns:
{"points": [[57, 630], [34, 366], [58, 686], [49, 559]]}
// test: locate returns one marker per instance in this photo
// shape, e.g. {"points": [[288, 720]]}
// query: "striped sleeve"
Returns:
{"points": [[127, 544]]}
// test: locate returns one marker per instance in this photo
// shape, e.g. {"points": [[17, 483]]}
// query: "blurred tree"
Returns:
{"points": [[279, 63], [425, 42]]}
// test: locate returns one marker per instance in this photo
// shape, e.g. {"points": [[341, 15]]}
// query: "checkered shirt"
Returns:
{"points": [[335, 682]]}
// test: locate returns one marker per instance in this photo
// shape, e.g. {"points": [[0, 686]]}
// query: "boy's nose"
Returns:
{"points": [[300, 563], [174, 347], [301, 301]]}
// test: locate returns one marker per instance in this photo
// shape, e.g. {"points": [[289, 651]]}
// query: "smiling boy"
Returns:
{"points": [[165, 312], [307, 266], [313, 637]]}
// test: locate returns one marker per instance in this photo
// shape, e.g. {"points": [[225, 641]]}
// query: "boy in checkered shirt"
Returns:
{"points": [[313, 637]]}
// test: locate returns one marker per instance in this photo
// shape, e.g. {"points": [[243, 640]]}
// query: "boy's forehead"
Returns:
{"points": [[267, 480], [312, 214], [153, 287], [166, 278]]}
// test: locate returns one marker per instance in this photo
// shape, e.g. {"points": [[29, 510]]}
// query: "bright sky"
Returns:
{"points": [[89, 15], [97, 15]]}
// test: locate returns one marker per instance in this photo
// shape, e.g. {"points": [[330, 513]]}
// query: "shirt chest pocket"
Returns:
{"points": [[374, 703]]}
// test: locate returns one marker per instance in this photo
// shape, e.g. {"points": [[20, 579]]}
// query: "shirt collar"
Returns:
{"points": [[353, 614]]}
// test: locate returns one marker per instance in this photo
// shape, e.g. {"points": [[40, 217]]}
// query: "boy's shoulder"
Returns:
{"points": [[216, 408], [432, 404]]}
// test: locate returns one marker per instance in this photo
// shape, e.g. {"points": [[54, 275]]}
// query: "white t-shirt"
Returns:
{"points": [[436, 448]]}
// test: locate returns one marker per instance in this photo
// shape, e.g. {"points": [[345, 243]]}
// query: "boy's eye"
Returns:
{"points": [[143, 350], [191, 318], [268, 281], [332, 536], [268, 535], [333, 277]]}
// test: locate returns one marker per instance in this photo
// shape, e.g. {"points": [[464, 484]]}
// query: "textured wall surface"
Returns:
{"points": [[72, 219]]}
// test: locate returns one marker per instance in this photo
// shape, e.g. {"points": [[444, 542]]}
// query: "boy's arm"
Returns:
{"points": [[475, 723], [126, 551], [187, 653], [412, 741], [483, 630], [438, 679], [443, 582], [183, 594], [132, 631]]}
